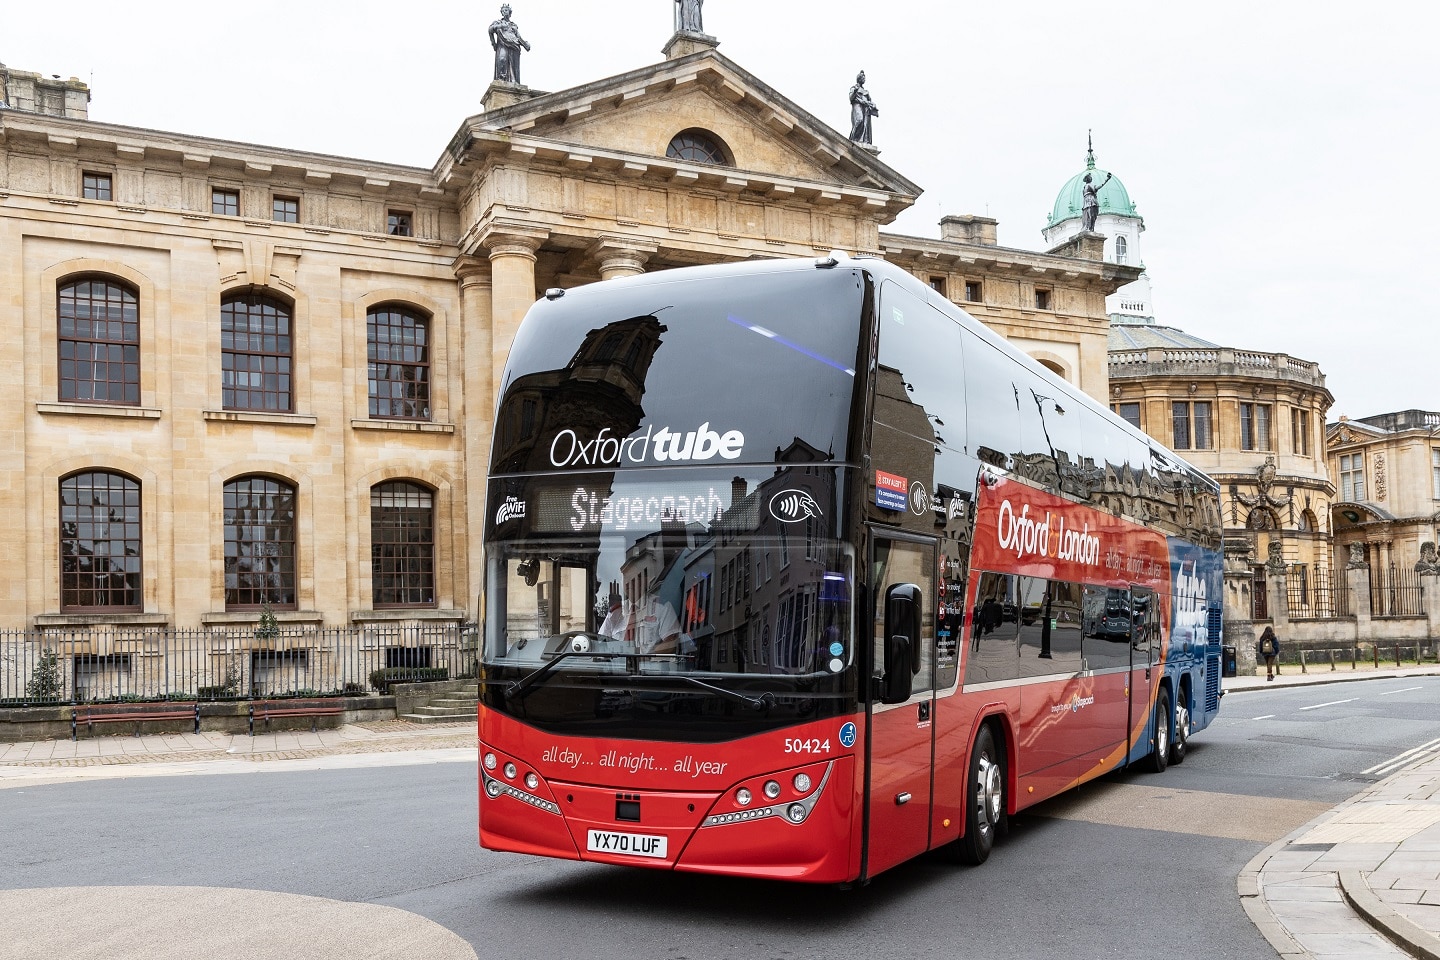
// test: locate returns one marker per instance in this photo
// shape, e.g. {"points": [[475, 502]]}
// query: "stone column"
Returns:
{"points": [[1357, 581], [1239, 628], [477, 411], [1277, 581], [620, 257], [512, 273], [1430, 585], [1429, 570]]}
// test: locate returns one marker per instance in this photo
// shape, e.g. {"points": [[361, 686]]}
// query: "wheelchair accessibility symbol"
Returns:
{"points": [[847, 735]]}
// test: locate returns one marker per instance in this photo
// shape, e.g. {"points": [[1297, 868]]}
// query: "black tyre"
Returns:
{"points": [[1181, 738], [1159, 757], [985, 800]]}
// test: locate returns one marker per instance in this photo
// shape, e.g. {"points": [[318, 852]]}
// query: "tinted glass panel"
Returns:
{"points": [[994, 630], [737, 578], [1050, 627], [1106, 645], [621, 376]]}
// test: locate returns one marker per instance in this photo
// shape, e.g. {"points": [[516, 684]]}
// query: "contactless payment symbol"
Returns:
{"points": [[847, 735]]}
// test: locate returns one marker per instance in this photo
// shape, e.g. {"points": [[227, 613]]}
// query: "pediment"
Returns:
{"points": [[636, 114], [1351, 431]]}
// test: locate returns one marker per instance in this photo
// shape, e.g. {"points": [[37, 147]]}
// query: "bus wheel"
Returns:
{"points": [[1182, 732], [985, 810], [1159, 758]]}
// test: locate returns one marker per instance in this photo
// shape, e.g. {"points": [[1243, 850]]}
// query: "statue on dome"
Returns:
{"points": [[687, 16], [505, 38], [862, 109], [1090, 204]]}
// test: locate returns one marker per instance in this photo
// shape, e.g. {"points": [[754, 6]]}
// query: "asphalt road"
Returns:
{"points": [[1135, 865]]}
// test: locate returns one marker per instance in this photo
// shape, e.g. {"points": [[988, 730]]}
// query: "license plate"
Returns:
{"points": [[628, 844]]}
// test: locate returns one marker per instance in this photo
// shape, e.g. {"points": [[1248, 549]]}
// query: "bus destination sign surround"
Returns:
{"points": [[602, 508]]}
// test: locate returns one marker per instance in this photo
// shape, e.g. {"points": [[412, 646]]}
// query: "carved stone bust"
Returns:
{"points": [[1429, 564]]}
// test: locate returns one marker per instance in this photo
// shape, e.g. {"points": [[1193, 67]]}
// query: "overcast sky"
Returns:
{"points": [[1284, 156]]}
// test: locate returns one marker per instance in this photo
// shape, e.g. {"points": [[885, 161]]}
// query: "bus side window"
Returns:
{"points": [[1049, 627], [1106, 644], [994, 630]]}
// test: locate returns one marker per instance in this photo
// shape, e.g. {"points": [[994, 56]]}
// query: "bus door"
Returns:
{"points": [[1144, 665], [902, 742]]}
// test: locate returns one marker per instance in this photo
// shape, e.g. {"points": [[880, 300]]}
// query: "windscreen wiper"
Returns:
{"points": [[759, 703], [576, 643], [517, 688]]}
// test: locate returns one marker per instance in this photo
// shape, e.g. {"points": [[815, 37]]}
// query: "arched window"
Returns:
{"points": [[1122, 249], [99, 341], [698, 146], [259, 543], [1053, 367], [255, 353], [402, 545], [398, 348], [100, 542]]}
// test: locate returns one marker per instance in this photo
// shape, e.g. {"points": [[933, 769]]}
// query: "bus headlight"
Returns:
{"points": [[490, 761], [743, 797], [796, 812], [772, 789], [493, 788], [802, 783], [510, 771], [532, 782]]}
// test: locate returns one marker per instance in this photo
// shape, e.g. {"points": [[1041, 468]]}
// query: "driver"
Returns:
{"points": [[650, 624]]}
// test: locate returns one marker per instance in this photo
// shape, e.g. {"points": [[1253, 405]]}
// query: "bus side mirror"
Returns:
{"points": [[902, 632]]}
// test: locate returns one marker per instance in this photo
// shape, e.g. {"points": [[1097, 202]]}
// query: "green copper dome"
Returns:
{"points": [[1113, 197]]}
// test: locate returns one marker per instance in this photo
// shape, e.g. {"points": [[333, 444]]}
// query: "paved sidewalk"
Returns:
{"points": [[1361, 882], [379, 743]]}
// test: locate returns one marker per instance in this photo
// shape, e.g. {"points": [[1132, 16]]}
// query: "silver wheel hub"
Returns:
{"points": [[989, 793], [1162, 732], [1182, 723]]}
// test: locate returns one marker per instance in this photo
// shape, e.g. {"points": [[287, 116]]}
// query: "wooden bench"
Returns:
{"points": [[291, 708], [137, 714]]}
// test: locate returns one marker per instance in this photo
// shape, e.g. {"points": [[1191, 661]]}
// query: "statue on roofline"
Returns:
{"points": [[862, 110], [505, 38], [687, 16]]}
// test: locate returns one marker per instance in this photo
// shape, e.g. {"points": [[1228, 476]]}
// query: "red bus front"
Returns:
{"points": [[669, 675]]}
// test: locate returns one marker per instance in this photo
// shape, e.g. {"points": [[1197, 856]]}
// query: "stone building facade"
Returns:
{"points": [[1387, 476], [249, 376]]}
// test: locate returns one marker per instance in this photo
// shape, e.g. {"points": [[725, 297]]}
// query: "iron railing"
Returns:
{"points": [[1316, 593], [1395, 592], [85, 666]]}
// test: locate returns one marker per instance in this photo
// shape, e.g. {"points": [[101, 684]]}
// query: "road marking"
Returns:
{"points": [[1268, 716], [1332, 703], [1404, 690], [1387, 767], [1197, 812]]}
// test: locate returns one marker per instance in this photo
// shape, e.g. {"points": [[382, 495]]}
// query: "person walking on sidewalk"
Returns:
{"points": [[1269, 648]]}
